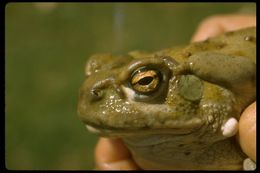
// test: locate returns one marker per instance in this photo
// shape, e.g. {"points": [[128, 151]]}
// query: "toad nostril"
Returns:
{"points": [[96, 94]]}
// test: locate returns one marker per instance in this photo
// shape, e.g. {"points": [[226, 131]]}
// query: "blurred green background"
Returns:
{"points": [[46, 47]]}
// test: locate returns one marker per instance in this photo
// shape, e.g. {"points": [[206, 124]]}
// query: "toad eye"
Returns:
{"points": [[145, 80]]}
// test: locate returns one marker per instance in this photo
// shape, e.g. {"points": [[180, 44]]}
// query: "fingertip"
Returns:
{"points": [[209, 27], [247, 131], [126, 164], [109, 150], [217, 24], [111, 154]]}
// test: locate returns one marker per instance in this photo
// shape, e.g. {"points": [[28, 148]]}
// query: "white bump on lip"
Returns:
{"points": [[230, 127], [92, 129]]}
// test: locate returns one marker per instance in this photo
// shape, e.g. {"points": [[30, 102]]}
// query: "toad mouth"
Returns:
{"points": [[119, 132]]}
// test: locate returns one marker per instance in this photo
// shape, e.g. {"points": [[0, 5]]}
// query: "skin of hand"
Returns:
{"points": [[111, 154]]}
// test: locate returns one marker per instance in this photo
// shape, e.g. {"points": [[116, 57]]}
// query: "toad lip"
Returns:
{"points": [[112, 132]]}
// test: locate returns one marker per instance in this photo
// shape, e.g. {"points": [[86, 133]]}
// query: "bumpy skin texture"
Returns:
{"points": [[190, 118]]}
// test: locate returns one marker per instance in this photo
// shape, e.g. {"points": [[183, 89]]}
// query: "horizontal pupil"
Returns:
{"points": [[145, 80]]}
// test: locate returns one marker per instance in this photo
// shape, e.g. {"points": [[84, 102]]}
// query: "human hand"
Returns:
{"points": [[211, 27], [111, 154], [215, 25], [247, 131]]}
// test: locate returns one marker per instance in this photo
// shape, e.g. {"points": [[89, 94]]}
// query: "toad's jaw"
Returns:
{"points": [[139, 132]]}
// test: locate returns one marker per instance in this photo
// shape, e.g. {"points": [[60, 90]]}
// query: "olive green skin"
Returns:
{"points": [[179, 125]]}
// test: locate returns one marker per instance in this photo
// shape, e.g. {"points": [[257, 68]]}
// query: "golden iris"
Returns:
{"points": [[145, 81]]}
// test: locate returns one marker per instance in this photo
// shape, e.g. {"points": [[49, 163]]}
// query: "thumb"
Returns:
{"points": [[247, 131]]}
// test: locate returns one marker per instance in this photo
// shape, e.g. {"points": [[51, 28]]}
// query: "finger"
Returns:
{"points": [[210, 27], [247, 131], [216, 25], [111, 154]]}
